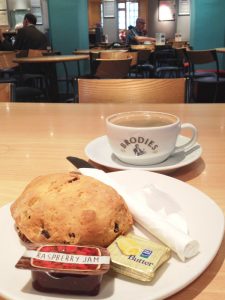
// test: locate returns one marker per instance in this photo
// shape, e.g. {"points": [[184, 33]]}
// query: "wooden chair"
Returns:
{"points": [[179, 44], [207, 85], [6, 60], [122, 55], [36, 52], [11, 73], [33, 83], [166, 62], [132, 90], [111, 68], [113, 55], [7, 66], [6, 92]]}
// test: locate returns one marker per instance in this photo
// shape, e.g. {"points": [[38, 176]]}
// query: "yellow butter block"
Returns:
{"points": [[137, 257], [128, 246]]}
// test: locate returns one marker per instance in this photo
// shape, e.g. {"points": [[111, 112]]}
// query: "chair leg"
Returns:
{"points": [[74, 83]]}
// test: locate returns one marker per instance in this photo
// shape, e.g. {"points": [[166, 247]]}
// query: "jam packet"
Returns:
{"points": [[137, 257], [68, 269]]}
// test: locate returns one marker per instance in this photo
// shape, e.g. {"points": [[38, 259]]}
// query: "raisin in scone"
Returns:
{"points": [[70, 208]]}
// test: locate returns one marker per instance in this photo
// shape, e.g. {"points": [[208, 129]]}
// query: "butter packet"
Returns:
{"points": [[137, 257]]}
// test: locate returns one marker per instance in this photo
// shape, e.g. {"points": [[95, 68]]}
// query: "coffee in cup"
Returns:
{"points": [[146, 137]]}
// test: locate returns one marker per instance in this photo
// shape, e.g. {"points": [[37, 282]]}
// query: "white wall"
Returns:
{"points": [[181, 23], [18, 4], [183, 27], [110, 26], [26, 4]]}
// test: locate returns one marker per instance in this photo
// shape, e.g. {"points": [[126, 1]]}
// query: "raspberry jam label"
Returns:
{"points": [[65, 257]]}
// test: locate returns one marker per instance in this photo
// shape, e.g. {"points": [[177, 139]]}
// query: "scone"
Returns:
{"points": [[70, 208]]}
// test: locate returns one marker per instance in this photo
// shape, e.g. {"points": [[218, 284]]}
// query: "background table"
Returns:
{"points": [[35, 139], [220, 50], [51, 75], [97, 51]]}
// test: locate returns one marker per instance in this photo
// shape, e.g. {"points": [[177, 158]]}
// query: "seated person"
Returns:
{"points": [[29, 37], [137, 35]]}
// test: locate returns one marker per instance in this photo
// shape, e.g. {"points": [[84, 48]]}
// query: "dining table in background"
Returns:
{"points": [[220, 50], [51, 74], [96, 51], [36, 138]]}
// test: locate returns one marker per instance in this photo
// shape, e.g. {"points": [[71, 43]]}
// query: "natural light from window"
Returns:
{"points": [[127, 15]]}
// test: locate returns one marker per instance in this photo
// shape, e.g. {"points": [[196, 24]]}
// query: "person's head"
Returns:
{"points": [[140, 24], [29, 19]]}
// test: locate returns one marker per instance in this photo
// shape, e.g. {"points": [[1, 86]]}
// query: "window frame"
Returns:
{"points": [[125, 10]]}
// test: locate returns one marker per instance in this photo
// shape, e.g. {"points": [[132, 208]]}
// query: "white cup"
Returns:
{"points": [[146, 137]]}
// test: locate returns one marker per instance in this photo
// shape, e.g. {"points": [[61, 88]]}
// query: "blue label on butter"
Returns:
{"points": [[146, 253]]}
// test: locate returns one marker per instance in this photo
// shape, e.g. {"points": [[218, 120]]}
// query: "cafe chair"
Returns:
{"points": [[32, 85], [11, 73], [8, 68], [132, 90], [7, 92], [111, 68], [166, 62], [206, 85], [134, 66], [110, 54], [144, 67], [180, 44]]}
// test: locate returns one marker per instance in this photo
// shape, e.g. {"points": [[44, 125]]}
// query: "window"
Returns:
{"points": [[127, 15]]}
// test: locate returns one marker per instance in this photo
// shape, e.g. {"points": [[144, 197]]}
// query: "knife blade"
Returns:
{"points": [[79, 162]]}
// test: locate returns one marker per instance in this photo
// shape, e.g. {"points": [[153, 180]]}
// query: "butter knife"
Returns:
{"points": [[79, 162]]}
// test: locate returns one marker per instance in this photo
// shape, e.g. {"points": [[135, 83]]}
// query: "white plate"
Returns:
{"points": [[99, 151], [206, 224]]}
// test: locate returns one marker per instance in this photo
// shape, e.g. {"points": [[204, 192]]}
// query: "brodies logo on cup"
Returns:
{"points": [[138, 143]]}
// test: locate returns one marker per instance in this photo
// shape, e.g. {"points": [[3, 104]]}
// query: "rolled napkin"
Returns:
{"points": [[180, 242]]}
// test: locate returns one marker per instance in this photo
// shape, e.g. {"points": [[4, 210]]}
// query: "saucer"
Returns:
{"points": [[99, 151]]}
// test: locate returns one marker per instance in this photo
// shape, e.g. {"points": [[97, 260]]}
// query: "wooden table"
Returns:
{"points": [[6, 52], [150, 47], [97, 51], [50, 62], [220, 50], [36, 138]]}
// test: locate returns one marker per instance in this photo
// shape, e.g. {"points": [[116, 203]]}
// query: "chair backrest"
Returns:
{"points": [[120, 55], [6, 92], [179, 44], [134, 56], [112, 68], [202, 57], [164, 56], [132, 90], [36, 52], [6, 60], [143, 56], [113, 55]]}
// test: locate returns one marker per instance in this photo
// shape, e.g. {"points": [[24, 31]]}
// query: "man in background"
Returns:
{"points": [[137, 35], [29, 37]]}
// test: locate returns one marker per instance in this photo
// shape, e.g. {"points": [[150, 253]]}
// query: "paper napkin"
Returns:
{"points": [[165, 228]]}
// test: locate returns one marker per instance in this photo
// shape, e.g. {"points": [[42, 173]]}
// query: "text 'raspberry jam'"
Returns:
{"points": [[68, 269]]}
